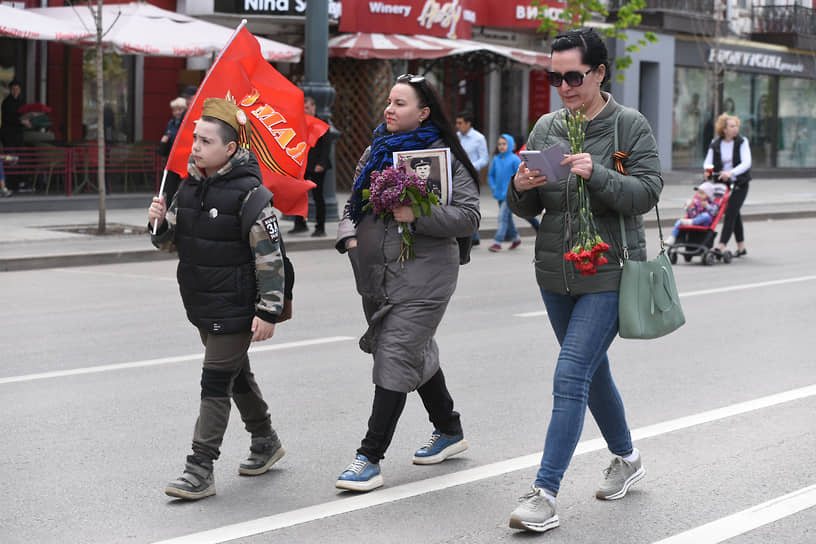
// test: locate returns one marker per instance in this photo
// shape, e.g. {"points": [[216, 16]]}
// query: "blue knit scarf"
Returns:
{"points": [[385, 143]]}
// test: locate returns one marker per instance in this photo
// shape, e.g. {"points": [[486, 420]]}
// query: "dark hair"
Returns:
{"points": [[309, 98], [465, 116], [593, 49], [225, 131], [14, 82], [428, 97]]}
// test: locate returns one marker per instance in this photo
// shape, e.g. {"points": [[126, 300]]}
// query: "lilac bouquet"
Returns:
{"points": [[394, 187]]}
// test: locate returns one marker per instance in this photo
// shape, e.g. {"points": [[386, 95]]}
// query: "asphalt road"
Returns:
{"points": [[99, 387]]}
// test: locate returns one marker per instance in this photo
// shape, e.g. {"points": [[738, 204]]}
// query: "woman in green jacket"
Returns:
{"points": [[583, 309]]}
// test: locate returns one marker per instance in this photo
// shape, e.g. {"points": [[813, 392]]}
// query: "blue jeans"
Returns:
{"points": [[704, 218], [507, 228], [585, 326]]}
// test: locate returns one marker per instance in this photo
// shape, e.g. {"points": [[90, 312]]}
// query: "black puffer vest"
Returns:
{"points": [[743, 178], [216, 271]]}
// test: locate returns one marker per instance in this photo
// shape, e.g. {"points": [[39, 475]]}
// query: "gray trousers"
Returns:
{"points": [[226, 375]]}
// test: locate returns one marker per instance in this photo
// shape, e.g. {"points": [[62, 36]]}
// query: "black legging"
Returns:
{"points": [[732, 222], [388, 407]]}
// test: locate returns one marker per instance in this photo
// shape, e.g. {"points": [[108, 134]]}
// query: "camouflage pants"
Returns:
{"points": [[226, 375]]}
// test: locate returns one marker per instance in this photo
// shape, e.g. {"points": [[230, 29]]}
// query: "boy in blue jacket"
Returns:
{"points": [[502, 168]]}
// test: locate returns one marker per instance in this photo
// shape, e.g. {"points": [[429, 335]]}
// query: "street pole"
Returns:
{"points": [[316, 82], [100, 118]]}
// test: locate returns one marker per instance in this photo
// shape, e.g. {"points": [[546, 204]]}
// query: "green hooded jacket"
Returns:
{"points": [[611, 193]]}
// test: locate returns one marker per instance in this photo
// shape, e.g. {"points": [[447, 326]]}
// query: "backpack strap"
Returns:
{"points": [[257, 201]]}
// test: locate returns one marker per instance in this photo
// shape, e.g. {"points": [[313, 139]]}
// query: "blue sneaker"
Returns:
{"points": [[360, 475], [439, 447]]}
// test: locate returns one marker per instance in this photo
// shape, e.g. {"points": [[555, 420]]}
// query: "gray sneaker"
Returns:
{"points": [[618, 477], [196, 482], [264, 452], [535, 513]]}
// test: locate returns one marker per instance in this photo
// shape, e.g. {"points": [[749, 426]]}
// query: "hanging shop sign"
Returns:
{"points": [[518, 13], [270, 7], [443, 18]]}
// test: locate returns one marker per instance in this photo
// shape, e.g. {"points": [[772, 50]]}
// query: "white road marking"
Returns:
{"points": [[746, 286], [430, 485], [713, 291], [163, 361], [748, 519], [531, 314]]}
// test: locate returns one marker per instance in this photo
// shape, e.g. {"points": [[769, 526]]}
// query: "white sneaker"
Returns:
{"points": [[618, 477], [535, 513]]}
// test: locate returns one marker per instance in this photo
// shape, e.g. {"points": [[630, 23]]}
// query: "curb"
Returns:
{"points": [[16, 264]]}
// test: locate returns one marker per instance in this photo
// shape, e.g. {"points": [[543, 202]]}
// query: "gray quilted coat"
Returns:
{"points": [[611, 194], [404, 302]]}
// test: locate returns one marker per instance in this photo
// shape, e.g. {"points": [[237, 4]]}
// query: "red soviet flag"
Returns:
{"points": [[281, 133]]}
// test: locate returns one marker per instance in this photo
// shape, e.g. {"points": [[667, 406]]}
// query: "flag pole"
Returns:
{"points": [[241, 25], [161, 193]]}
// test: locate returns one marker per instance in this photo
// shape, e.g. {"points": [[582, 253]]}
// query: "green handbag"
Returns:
{"points": [[648, 303]]}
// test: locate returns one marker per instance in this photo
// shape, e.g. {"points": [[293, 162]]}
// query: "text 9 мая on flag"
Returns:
{"points": [[281, 132]]}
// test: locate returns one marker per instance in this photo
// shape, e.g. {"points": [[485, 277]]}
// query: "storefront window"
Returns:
{"points": [[692, 128], [118, 115], [797, 122], [749, 97]]}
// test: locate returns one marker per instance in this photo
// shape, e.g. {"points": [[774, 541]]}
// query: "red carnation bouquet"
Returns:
{"points": [[587, 252], [394, 187]]}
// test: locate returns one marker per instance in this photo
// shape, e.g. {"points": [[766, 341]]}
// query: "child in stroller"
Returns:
{"points": [[694, 234]]}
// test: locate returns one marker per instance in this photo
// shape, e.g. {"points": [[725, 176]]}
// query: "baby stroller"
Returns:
{"points": [[697, 240]]}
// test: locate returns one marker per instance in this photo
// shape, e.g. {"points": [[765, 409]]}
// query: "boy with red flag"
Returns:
{"points": [[235, 282], [280, 134]]}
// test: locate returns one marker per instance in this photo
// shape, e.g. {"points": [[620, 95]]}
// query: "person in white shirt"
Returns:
{"points": [[729, 156], [475, 146]]}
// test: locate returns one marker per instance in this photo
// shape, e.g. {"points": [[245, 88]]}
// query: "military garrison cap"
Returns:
{"points": [[226, 111]]}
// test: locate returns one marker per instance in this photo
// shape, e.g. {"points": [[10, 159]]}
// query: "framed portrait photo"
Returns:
{"points": [[431, 165]]}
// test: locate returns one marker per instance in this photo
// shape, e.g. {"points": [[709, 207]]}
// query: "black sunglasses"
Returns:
{"points": [[410, 78], [573, 79]]}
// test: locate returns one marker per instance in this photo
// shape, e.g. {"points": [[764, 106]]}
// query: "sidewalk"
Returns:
{"points": [[34, 239]]}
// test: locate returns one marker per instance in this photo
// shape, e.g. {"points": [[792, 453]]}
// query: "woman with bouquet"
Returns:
{"points": [[579, 284], [404, 299]]}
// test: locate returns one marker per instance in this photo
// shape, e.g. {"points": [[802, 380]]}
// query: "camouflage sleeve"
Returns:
{"points": [[264, 239], [165, 237]]}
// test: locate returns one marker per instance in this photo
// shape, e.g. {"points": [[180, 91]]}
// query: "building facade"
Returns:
{"points": [[754, 60]]}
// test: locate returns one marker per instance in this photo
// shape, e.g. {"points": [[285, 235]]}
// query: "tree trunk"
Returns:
{"points": [[100, 118]]}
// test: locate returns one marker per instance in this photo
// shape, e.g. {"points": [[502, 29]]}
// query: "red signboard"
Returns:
{"points": [[539, 95], [443, 18], [516, 13]]}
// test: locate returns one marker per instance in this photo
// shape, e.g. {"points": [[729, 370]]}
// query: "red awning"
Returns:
{"points": [[362, 45]]}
